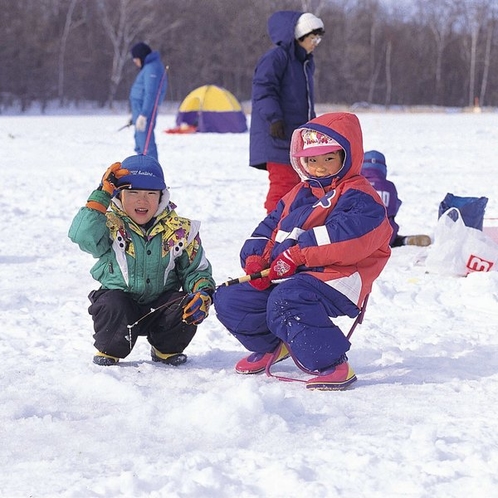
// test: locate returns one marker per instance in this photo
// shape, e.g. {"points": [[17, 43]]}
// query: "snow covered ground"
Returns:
{"points": [[419, 422]]}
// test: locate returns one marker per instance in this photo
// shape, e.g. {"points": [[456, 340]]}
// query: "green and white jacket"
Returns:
{"points": [[168, 256]]}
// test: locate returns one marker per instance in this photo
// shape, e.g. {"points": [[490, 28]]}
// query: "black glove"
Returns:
{"points": [[277, 129]]}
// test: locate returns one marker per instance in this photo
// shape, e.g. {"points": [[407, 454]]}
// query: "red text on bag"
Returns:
{"points": [[475, 263]]}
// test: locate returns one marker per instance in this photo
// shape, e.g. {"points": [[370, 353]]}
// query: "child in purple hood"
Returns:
{"points": [[374, 169]]}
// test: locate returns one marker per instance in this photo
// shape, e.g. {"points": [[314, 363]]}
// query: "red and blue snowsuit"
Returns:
{"points": [[340, 227]]}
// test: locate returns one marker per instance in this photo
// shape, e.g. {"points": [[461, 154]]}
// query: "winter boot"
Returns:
{"points": [[104, 360], [173, 359], [417, 240], [336, 379], [257, 362]]}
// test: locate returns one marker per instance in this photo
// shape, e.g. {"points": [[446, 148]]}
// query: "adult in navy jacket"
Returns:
{"points": [[146, 94], [282, 97]]}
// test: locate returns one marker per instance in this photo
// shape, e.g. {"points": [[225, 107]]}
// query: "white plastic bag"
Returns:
{"points": [[459, 250]]}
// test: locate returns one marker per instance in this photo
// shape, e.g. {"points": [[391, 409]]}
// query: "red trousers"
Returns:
{"points": [[282, 179]]}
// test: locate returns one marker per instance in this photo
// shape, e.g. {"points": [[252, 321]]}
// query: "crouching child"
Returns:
{"points": [[155, 279], [324, 245], [374, 169]]}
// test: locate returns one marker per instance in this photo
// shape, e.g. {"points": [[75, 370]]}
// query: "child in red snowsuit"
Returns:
{"points": [[324, 245]]}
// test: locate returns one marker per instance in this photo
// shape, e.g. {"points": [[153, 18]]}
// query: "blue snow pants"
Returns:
{"points": [[141, 139], [297, 311]]}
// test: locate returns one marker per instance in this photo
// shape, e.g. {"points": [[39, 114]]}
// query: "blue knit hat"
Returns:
{"points": [[145, 174], [373, 159]]}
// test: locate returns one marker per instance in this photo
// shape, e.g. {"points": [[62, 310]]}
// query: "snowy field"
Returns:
{"points": [[419, 422]]}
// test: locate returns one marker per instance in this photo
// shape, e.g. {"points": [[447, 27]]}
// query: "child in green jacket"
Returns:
{"points": [[155, 278]]}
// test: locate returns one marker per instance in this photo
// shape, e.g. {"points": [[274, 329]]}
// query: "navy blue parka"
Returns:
{"points": [[282, 89]]}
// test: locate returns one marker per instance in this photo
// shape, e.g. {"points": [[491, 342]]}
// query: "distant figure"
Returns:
{"points": [[146, 95], [374, 169], [282, 97]]}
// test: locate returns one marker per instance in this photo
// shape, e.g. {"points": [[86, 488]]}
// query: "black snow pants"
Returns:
{"points": [[114, 312]]}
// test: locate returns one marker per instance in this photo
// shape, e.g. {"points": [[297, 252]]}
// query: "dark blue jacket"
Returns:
{"points": [[282, 89], [145, 90]]}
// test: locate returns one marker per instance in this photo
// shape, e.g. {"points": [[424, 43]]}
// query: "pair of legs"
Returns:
{"points": [[282, 178], [142, 146], [113, 311], [297, 311]]}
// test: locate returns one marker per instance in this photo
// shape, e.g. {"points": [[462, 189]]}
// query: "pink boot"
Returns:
{"points": [[338, 378], [256, 362]]}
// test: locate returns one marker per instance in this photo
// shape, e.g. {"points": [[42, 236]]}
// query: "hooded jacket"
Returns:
{"points": [[387, 192], [282, 89], [335, 227], [145, 92], [168, 256]]}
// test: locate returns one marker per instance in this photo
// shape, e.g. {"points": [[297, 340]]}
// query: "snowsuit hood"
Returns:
{"points": [[281, 26], [345, 129], [338, 230], [374, 161]]}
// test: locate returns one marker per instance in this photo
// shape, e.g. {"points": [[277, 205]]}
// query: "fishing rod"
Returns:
{"points": [[127, 125], [176, 303], [245, 278]]}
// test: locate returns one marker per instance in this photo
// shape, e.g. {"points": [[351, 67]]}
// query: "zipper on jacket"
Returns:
{"points": [[308, 93]]}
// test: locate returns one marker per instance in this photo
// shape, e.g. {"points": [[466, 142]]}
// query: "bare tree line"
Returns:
{"points": [[422, 52]]}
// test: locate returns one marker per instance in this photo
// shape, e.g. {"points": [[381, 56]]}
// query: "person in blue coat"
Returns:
{"points": [[146, 94], [282, 97]]}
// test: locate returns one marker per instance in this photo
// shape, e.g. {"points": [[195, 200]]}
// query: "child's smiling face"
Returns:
{"points": [[140, 205], [324, 165]]}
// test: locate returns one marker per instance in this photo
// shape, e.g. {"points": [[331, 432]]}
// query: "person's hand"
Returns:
{"points": [[141, 123], [254, 264], [100, 198], [283, 266], [277, 129], [197, 307], [111, 176]]}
